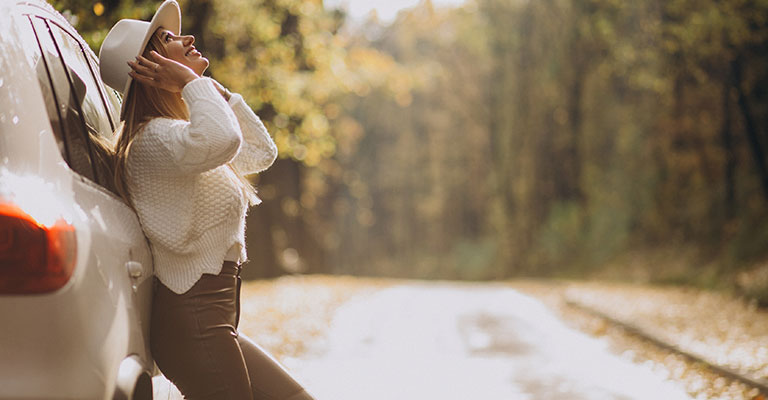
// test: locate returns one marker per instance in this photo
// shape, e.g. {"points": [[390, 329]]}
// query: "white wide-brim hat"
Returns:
{"points": [[127, 39]]}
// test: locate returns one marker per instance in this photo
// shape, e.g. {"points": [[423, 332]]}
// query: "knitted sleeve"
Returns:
{"points": [[259, 150], [209, 139]]}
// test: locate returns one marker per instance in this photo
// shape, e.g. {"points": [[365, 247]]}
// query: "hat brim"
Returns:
{"points": [[167, 16]]}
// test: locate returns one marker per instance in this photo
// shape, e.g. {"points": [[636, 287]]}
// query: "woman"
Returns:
{"points": [[184, 145]]}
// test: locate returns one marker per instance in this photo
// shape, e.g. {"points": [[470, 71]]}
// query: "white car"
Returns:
{"points": [[75, 267]]}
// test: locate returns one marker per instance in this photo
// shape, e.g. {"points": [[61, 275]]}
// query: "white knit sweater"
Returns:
{"points": [[188, 201]]}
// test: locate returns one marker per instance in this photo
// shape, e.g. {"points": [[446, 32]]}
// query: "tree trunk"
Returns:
{"points": [[749, 122], [262, 257], [572, 190], [730, 155], [276, 231]]}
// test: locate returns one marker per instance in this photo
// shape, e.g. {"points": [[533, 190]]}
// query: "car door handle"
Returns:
{"points": [[134, 268]]}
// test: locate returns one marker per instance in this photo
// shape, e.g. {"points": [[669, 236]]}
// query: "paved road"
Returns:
{"points": [[447, 341], [435, 341]]}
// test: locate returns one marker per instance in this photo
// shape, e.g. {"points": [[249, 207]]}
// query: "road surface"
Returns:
{"points": [[466, 342], [447, 341]]}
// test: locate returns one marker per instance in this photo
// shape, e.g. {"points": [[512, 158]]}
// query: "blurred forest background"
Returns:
{"points": [[502, 138]]}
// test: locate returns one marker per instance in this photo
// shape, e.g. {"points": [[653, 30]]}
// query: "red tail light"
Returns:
{"points": [[34, 258]]}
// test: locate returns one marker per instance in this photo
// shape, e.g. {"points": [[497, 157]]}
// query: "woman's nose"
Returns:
{"points": [[188, 40]]}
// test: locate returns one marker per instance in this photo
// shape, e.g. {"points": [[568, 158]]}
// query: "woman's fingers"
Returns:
{"points": [[142, 69], [156, 57], [147, 63], [162, 72]]}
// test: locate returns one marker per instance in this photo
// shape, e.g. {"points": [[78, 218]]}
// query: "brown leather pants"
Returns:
{"points": [[195, 343]]}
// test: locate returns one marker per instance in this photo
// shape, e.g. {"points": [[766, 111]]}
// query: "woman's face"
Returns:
{"points": [[181, 50]]}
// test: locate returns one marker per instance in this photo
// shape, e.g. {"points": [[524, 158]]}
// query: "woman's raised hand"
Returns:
{"points": [[161, 72]]}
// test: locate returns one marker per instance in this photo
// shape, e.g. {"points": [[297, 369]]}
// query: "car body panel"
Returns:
{"points": [[68, 343]]}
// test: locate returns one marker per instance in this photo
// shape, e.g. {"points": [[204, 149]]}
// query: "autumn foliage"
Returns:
{"points": [[499, 138]]}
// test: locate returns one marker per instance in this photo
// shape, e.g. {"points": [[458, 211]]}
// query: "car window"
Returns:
{"points": [[32, 50], [68, 97], [92, 103], [109, 96], [113, 99]]}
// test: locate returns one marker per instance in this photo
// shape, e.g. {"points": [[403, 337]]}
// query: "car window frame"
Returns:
{"points": [[112, 113], [69, 132], [60, 134], [92, 64], [100, 176]]}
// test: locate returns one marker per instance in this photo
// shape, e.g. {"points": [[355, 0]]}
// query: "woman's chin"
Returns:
{"points": [[200, 65]]}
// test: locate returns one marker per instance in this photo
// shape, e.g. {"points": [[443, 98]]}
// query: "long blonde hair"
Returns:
{"points": [[144, 103]]}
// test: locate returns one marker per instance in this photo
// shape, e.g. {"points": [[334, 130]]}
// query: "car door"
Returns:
{"points": [[83, 115]]}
